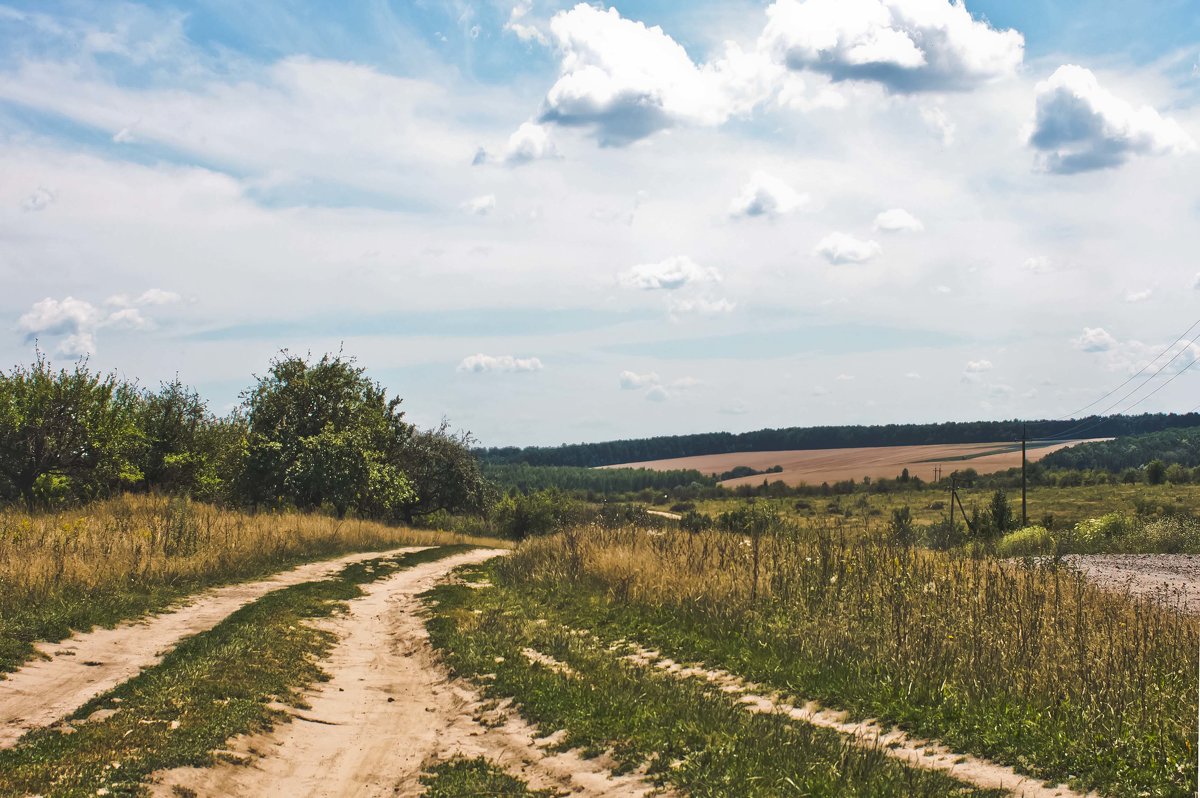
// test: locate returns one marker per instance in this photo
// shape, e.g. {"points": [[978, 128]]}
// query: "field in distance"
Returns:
{"points": [[814, 466]]}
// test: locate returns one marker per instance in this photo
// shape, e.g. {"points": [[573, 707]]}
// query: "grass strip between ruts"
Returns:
{"points": [[211, 687], [461, 777], [685, 734]]}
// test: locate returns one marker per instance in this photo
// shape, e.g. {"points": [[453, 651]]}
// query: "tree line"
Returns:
{"points": [[307, 434], [1172, 446], [526, 478], [589, 455]]}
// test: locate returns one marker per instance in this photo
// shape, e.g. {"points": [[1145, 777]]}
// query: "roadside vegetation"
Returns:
{"points": [[461, 777], [684, 734], [1022, 664], [240, 677]]}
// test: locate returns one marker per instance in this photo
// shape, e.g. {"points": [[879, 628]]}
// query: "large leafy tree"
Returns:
{"points": [[324, 433], [70, 432], [445, 474]]}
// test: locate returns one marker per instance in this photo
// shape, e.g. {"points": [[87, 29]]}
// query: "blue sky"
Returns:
{"points": [[556, 222]]}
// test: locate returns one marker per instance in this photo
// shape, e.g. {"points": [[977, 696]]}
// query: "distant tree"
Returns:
{"points": [[900, 528], [1178, 474], [444, 473], [1156, 472], [1000, 514], [70, 432]]}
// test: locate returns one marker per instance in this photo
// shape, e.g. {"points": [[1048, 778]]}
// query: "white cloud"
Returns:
{"points": [[845, 378], [657, 394], [1079, 125], [1095, 339], [632, 381], [942, 289], [936, 119], [150, 297], [978, 366], [480, 206], [76, 321], [529, 142], [1139, 296], [840, 248], [523, 31], [1038, 264], [483, 364], [905, 45], [670, 274], [626, 81], [912, 375], [898, 220], [766, 195], [685, 383], [678, 306], [67, 316], [39, 200]]}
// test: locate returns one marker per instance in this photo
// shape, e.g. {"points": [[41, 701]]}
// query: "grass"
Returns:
{"points": [[211, 687], [1029, 666], [122, 558], [686, 734], [461, 777]]}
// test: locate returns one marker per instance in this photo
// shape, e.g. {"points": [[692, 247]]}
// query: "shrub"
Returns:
{"points": [[1098, 534], [1026, 542]]}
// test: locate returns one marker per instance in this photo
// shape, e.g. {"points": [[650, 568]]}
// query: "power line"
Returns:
{"points": [[1135, 376]]}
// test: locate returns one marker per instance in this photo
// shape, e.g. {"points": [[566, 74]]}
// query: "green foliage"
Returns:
{"points": [[519, 516], [900, 528], [1030, 541], [65, 434], [1156, 472], [461, 777], [444, 473], [527, 478], [1179, 445]]}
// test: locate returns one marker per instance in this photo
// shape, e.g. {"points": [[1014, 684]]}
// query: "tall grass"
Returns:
{"points": [[1026, 664], [116, 559]]}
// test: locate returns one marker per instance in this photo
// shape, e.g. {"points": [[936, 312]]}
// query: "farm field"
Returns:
{"points": [[814, 466]]}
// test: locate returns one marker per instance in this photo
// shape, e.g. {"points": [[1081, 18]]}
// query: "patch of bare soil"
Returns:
{"points": [[389, 709], [84, 666], [1173, 579]]}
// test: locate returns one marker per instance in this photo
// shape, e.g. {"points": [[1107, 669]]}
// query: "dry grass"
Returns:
{"points": [[116, 559], [1028, 665], [814, 466]]}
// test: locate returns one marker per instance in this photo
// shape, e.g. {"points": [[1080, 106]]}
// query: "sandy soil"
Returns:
{"points": [[388, 709], [85, 665], [814, 466], [1173, 579]]}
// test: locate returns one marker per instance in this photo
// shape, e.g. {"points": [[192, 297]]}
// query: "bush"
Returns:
{"points": [[1168, 535], [1096, 535], [1032, 540]]}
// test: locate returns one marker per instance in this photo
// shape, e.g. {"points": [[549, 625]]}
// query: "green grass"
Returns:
{"points": [[211, 687], [1030, 667], [475, 778], [685, 733]]}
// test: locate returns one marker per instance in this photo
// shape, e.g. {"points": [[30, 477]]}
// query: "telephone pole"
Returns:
{"points": [[1024, 507]]}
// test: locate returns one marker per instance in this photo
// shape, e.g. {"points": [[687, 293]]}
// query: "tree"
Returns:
{"points": [[323, 433], [444, 473], [1156, 472], [1000, 514], [72, 430]]}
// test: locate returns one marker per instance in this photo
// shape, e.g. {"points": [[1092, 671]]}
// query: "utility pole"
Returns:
{"points": [[953, 495], [1024, 507]]}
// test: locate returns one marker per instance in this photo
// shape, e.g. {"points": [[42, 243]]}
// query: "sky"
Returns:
{"points": [[555, 222]]}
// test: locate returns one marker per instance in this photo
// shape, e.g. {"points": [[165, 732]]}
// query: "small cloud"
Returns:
{"points": [[1038, 264], [685, 383], [128, 319], [480, 206], [77, 321], [670, 274], [738, 408], [1139, 296], [765, 195], [1095, 339], [699, 306], [845, 377], [820, 390], [912, 375], [657, 394], [942, 289], [484, 364], [150, 297], [529, 142], [124, 136], [978, 366], [632, 381], [898, 220], [523, 31], [839, 248], [39, 200]]}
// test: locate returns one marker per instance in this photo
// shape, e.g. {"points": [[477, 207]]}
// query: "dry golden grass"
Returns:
{"points": [[814, 466], [117, 559]]}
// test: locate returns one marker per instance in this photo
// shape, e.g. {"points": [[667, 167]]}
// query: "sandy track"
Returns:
{"points": [[388, 708], [1173, 579], [84, 666]]}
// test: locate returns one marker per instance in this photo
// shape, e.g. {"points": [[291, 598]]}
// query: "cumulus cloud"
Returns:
{"points": [[670, 274], [523, 30], [632, 381], [978, 366], [485, 364], [77, 321], [898, 220], [480, 206], [1139, 296], [904, 45], [1095, 339], [1038, 264], [840, 248], [529, 142], [657, 394], [766, 195], [626, 81], [1080, 126]]}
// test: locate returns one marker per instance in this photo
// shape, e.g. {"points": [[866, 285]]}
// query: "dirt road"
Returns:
{"points": [[1173, 579], [85, 665], [387, 708]]}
